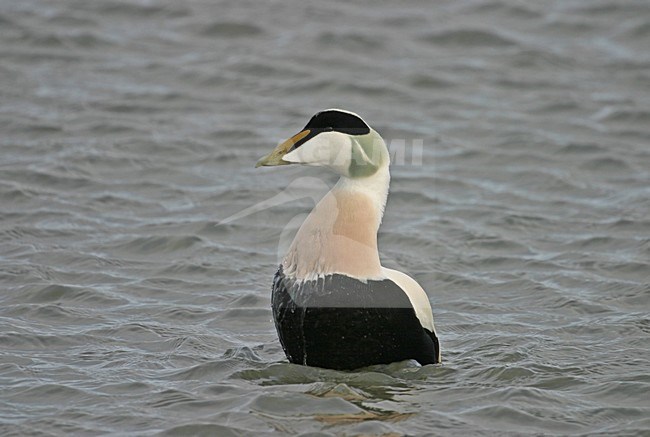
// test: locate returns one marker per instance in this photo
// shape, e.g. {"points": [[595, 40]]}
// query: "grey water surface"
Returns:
{"points": [[135, 293]]}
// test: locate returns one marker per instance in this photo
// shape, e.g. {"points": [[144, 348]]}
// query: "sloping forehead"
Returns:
{"points": [[340, 121]]}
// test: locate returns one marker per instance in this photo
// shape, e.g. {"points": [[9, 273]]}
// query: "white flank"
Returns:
{"points": [[417, 296]]}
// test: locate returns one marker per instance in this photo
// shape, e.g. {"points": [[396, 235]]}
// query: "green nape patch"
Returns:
{"points": [[368, 154]]}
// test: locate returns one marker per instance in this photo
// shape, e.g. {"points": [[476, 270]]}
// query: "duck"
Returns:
{"points": [[334, 305]]}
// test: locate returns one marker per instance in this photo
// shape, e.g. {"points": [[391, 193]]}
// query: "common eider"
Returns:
{"points": [[334, 305]]}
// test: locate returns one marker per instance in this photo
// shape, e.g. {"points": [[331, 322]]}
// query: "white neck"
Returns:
{"points": [[340, 234]]}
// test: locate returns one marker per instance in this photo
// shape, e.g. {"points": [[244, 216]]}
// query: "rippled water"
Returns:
{"points": [[129, 131]]}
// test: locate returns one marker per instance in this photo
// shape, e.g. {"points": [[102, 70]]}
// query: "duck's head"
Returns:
{"points": [[336, 139]]}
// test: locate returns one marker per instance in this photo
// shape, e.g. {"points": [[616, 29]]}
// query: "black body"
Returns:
{"points": [[339, 322]]}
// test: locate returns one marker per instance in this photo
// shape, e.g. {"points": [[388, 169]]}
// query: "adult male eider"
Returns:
{"points": [[334, 305]]}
